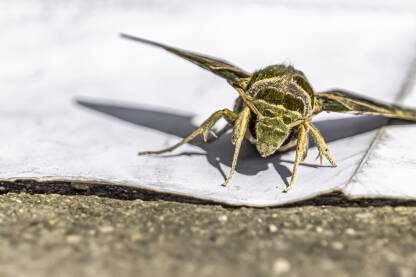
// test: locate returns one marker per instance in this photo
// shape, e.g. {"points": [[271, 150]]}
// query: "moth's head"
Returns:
{"points": [[271, 133]]}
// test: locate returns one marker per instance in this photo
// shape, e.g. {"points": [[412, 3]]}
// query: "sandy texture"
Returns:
{"points": [[106, 231]]}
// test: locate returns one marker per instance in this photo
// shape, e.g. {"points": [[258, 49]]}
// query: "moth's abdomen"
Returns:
{"points": [[282, 91]]}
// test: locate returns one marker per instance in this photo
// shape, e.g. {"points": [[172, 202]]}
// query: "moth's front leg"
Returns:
{"points": [[301, 151], [240, 128], [215, 135], [320, 143], [302, 147], [204, 129]]}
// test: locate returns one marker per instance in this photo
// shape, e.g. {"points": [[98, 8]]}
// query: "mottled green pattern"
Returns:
{"points": [[271, 95], [279, 110], [294, 104], [282, 85], [272, 110], [304, 84], [271, 133], [272, 71], [274, 97], [279, 106]]}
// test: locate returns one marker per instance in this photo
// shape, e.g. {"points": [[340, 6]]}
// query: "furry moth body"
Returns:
{"points": [[274, 108]]}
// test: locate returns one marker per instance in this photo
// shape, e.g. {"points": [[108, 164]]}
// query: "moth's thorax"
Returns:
{"points": [[280, 88], [282, 95]]}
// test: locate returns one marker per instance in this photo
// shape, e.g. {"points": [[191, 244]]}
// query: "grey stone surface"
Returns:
{"points": [[59, 229]]}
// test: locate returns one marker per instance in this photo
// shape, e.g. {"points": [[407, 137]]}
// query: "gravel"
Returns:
{"points": [[64, 229]]}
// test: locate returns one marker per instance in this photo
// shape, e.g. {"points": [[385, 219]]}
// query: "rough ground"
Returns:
{"points": [[57, 229]]}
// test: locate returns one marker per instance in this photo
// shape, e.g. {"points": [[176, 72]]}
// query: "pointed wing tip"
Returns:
{"points": [[142, 40], [126, 36]]}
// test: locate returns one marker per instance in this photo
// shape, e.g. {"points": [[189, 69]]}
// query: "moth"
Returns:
{"points": [[274, 108]]}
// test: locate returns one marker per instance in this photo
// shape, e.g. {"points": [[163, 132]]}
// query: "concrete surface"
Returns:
{"points": [[59, 229]]}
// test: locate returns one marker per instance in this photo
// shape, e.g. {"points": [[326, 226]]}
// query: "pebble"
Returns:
{"points": [[223, 218], [400, 209], [364, 215], [319, 229], [337, 245], [272, 228], [73, 239], [308, 226], [281, 265], [350, 232], [136, 237], [107, 229]]}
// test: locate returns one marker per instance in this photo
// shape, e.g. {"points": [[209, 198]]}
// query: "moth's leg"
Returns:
{"points": [[305, 145], [240, 127], [300, 153], [204, 129], [320, 143], [300, 121], [214, 137]]}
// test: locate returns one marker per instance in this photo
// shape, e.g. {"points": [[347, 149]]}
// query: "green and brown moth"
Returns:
{"points": [[274, 108]]}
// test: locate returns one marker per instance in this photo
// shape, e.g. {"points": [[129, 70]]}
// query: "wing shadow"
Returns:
{"points": [[222, 150]]}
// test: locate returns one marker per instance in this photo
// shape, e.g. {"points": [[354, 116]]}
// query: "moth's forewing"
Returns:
{"points": [[346, 102], [234, 75]]}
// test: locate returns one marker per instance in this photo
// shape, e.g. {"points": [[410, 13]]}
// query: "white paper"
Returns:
{"points": [[78, 103], [389, 170]]}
